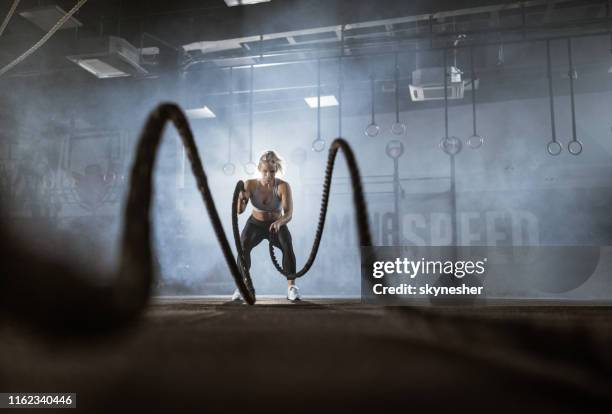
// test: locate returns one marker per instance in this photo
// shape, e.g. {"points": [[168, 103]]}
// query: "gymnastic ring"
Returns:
{"points": [[398, 128], [394, 149], [318, 145], [554, 148], [574, 147], [229, 169], [451, 145], [475, 141], [372, 130], [250, 168]]}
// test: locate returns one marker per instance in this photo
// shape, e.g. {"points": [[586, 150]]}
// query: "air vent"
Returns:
{"points": [[428, 84], [108, 57], [434, 93]]}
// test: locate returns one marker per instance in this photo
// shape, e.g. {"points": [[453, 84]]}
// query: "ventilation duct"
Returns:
{"points": [[428, 84], [108, 57]]}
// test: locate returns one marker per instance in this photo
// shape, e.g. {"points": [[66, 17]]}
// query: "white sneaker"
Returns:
{"points": [[293, 293], [236, 296]]}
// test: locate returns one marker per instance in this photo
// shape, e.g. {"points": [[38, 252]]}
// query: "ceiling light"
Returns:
{"points": [[232, 3], [326, 100], [201, 113], [100, 69], [261, 65]]}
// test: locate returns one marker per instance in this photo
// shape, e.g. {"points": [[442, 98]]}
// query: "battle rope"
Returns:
{"points": [[51, 294], [149, 141], [57, 297], [358, 202]]}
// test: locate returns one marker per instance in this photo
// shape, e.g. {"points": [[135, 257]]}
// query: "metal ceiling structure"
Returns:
{"points": [[492, 24], [420, 39], [209, 31], [202, 39]]}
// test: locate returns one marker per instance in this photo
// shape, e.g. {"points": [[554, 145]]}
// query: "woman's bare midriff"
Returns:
{"points": [[266, 215]]}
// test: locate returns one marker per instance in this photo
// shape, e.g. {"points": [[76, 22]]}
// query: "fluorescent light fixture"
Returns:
{"points": [[47, 16], [101, 69], [326, 100], [260, 65], [201, 113], [232, 3]]}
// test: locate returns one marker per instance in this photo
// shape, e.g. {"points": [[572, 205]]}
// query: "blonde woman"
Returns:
{"points": [[272, 210]]}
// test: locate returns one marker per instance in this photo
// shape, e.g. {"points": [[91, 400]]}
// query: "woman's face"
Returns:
{"points": [[268, 172]]}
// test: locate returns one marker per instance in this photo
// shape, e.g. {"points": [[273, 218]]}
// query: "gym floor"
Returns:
{"points": [[324, 355]]}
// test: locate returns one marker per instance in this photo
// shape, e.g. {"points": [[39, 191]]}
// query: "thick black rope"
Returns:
{"points": [[60, 299], [173, 113], [358, 201]]}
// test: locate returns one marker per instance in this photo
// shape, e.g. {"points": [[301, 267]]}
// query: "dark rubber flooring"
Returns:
{"points": [[208, 355]]}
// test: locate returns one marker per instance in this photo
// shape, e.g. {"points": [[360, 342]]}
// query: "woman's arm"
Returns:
{"points": [[284, 191], [243, 198]]}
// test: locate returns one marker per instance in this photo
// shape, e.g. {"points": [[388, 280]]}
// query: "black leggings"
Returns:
{"points": [[255, 231]]}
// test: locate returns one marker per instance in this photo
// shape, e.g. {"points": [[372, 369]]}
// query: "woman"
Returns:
{"points": [[272, 210]]}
